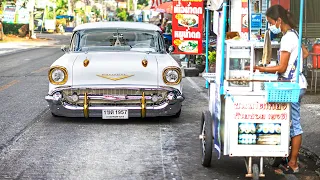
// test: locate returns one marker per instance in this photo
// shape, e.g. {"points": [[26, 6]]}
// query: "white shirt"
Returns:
{"points": [[289, 43]]}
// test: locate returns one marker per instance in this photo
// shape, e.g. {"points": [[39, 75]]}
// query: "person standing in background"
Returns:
{"points": [[164, 25]]}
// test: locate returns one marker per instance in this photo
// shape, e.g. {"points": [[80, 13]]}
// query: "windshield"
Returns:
{"points": [[116, 40]]}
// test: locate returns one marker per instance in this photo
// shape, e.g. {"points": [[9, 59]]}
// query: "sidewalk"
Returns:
{"points": [[20, 44]]}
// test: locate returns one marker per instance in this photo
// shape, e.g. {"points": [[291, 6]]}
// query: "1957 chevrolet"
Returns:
{"points": [[115, 70]]}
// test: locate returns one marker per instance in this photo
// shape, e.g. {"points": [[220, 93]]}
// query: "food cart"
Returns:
{"points": [[249, 112]]}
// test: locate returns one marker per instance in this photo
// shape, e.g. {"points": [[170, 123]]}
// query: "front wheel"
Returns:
{"points": [[206, 138], [54, 115], [177, 115], [255, 172]]}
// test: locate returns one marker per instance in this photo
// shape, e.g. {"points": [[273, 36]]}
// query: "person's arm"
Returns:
{"points": [[281, 68]]}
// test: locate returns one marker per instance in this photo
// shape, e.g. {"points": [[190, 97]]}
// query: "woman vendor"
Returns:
{"points": [[281, 21]]}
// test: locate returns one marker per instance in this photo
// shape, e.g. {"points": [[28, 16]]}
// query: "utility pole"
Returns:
{"points": [[135, 2], [128, 5], [31, 4], [54, 6], [69, 8]]}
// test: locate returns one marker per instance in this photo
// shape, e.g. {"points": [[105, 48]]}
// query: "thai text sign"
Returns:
{"points": [[261, 111], [187, 26]]}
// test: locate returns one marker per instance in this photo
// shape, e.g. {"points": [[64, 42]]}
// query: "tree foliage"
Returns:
{"points": [[96, 11], [143, 2], [122, 14]]}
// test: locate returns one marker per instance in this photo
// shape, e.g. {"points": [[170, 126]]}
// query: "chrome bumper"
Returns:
{"points": [[60, 108]]}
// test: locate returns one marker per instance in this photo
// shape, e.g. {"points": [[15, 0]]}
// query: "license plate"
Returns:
{"points": [[115, 114]]}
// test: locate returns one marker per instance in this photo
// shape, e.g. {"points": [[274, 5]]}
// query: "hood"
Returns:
{"points": [[118, 68]]}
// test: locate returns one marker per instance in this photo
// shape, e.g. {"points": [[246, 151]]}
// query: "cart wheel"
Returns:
{"points": [[206, 138], [54, 115], [275, 161], [255, 172]]}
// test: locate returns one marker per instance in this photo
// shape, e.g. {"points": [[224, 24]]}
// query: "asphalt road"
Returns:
{"points": [[35, 145]]}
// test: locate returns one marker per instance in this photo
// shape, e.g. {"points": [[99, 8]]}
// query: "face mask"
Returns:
{"points": [[274, 29]]}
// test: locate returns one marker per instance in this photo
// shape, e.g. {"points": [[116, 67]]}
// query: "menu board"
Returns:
{"points": [[187, 26]]}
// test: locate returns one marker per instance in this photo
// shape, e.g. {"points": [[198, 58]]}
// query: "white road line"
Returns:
{"points": [[194, 85]]}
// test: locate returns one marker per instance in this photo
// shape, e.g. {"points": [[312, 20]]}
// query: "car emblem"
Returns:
{"points": [[86, 62], [144, 63], [114, 77]]}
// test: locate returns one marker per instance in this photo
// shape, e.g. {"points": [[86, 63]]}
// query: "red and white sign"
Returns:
{"points": [[187, 26], [244, 19]]}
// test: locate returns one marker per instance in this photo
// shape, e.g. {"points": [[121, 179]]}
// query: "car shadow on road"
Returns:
{"points": [[146, 121]]}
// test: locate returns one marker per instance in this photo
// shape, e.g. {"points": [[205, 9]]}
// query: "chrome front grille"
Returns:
{"points": [[115, 97]]}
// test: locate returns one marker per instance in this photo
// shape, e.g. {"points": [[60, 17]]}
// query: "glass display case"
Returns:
{"points": [[239, 66]]}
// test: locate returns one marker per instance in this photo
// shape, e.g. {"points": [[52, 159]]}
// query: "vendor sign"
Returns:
{"points": [[187, 26], [257, 128]]}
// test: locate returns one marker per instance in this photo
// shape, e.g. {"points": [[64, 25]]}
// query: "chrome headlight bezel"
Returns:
{"points": [[63, 70], [172, 69]]}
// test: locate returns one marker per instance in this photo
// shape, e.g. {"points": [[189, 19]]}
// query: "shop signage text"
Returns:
{"points": [[187, 26], [261, 111]]}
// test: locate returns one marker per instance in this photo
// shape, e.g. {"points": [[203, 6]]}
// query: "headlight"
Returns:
{"points": [[172, 75], [58, 75]]}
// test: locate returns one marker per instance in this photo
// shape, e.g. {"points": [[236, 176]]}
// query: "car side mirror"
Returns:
{"points": [[65, 48], [171, 49]]}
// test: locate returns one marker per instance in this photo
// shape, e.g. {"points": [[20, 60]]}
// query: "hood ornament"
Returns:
{"points": [[144, 63], [114, 77]]}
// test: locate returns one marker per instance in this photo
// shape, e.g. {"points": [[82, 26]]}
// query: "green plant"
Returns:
{"points": [[199, 59], [122, 14], [9, 28], [212, 57]]}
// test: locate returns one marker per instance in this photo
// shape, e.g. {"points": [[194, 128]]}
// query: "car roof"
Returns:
{"points": [[117, 24]]}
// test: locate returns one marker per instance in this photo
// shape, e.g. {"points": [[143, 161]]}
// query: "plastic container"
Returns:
{"points": [[257, 85], [282, 92], [315, 59]]}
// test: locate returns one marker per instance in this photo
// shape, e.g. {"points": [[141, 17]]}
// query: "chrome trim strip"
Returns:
{"points": [[70, 107], [144, 88]]}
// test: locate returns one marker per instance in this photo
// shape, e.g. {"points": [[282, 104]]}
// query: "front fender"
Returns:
{"points": [[164, 61], [66, 61]]}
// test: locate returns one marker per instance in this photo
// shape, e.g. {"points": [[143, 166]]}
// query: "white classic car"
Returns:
{"points": [[115, 70]]}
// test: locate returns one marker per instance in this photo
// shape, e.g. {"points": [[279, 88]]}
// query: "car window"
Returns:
{"points": [[118, 40], [74, 42], [161, 43]]}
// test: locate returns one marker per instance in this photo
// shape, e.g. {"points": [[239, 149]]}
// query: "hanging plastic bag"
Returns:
{"points": [[267, 49]]}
